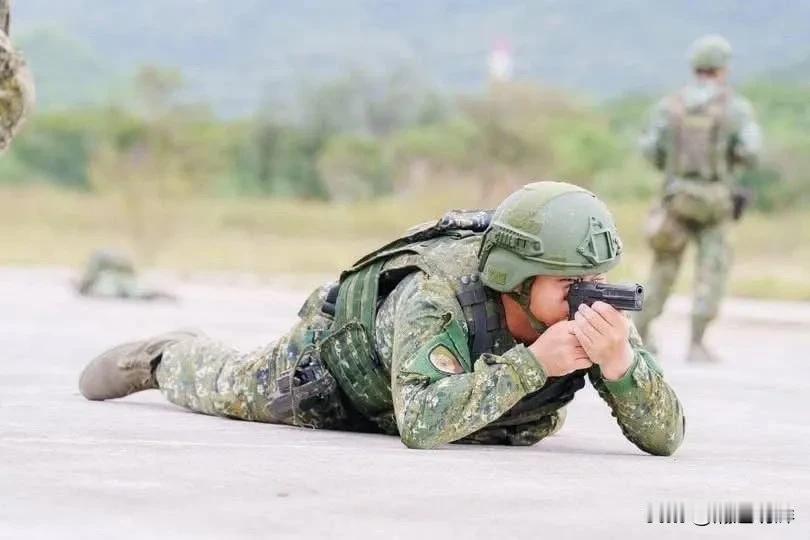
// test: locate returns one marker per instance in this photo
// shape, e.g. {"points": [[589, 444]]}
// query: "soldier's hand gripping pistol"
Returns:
{"points": [[621, 297]]}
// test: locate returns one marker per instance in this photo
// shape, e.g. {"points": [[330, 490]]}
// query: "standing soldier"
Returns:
{"points": [[16, 85], [699, 137]]}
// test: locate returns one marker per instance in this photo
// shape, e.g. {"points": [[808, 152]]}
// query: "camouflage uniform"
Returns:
{"points": [[112, 275], [16, 83], [699, 137], [432, 389]]}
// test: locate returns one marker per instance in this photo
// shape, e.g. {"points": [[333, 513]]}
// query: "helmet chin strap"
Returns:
{"points": [[524, 298]]}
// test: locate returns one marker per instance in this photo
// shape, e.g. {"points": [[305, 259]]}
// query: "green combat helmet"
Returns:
{"points": [[710, 52], [551, 229]]}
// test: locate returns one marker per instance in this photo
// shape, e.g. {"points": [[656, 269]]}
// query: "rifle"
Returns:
{"points": [[621, 297]]}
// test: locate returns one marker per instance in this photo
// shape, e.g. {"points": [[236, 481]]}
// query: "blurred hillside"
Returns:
{"points": [[362, 136], [236, 55], [284, 137]]}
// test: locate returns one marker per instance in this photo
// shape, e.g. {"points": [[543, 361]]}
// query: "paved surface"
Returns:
{"points": [[142, 468]]}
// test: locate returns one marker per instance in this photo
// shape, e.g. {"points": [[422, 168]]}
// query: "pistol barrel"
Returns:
{"points": [[621, 297]]}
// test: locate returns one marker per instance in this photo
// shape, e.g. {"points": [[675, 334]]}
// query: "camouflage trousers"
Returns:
{"points": [[668, 236], [281, 383]]}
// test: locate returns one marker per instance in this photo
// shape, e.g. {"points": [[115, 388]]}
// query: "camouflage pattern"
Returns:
{"points": [[208, 377], [16, 83], [695, 208], [743, 134], [435, 400], [713, 264], [109, 274]]}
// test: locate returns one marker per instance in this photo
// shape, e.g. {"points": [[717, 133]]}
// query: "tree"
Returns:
{"points": [[353, 168], [168, 150]]}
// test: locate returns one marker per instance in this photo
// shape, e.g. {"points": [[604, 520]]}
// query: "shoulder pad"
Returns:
{"points": [[445, 354]]}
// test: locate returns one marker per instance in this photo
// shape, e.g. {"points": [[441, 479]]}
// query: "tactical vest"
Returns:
{"points": [[698, 140], [448, 249]]}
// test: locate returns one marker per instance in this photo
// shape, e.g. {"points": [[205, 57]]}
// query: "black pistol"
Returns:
{"points": [[621, 297]]}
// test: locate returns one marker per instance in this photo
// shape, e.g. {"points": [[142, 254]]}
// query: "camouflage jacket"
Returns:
{"points": [[744, 142], [441, 395], [16, 87]]}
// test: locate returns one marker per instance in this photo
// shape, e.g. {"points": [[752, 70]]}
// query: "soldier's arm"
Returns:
{"points": [[746, 141], [441, 394], [16, 83], [5, 16], [653, 141], [523, 434], [645, 406]]}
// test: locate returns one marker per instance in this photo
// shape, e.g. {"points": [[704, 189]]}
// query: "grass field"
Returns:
{"points": [[45, 226]]}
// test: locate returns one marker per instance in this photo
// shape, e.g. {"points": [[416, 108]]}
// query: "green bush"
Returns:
{"points": [[57, 148], [354, 168], [365, 135]]}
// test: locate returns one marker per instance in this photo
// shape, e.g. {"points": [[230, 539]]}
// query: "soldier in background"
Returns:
{"points": [[700, 137], [112, 275], [16, 83]]}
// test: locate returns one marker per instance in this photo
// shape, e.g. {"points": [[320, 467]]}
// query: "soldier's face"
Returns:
{"points": [[718, 75], [549, 296]]}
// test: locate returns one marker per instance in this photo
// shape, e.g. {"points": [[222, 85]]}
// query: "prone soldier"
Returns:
{"points": [[456, 332], [110, 274]]}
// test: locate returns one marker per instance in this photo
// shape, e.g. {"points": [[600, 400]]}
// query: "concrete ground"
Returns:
{"points": [[142, 468]]}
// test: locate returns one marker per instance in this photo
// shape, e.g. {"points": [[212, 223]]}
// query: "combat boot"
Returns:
{"points": [[127, 368], [700, 354]]}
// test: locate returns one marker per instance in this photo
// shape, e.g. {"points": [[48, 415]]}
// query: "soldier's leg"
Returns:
{"points": [[209, 377], [713, 264], [285, 382], [279, 383], [667, 237], [663, 274]]}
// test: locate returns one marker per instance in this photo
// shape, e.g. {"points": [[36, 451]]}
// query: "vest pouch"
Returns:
{"points": [[699, 202], [697, 140], [307, 395], [697, 145], [665, 232], [349, 353]]}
